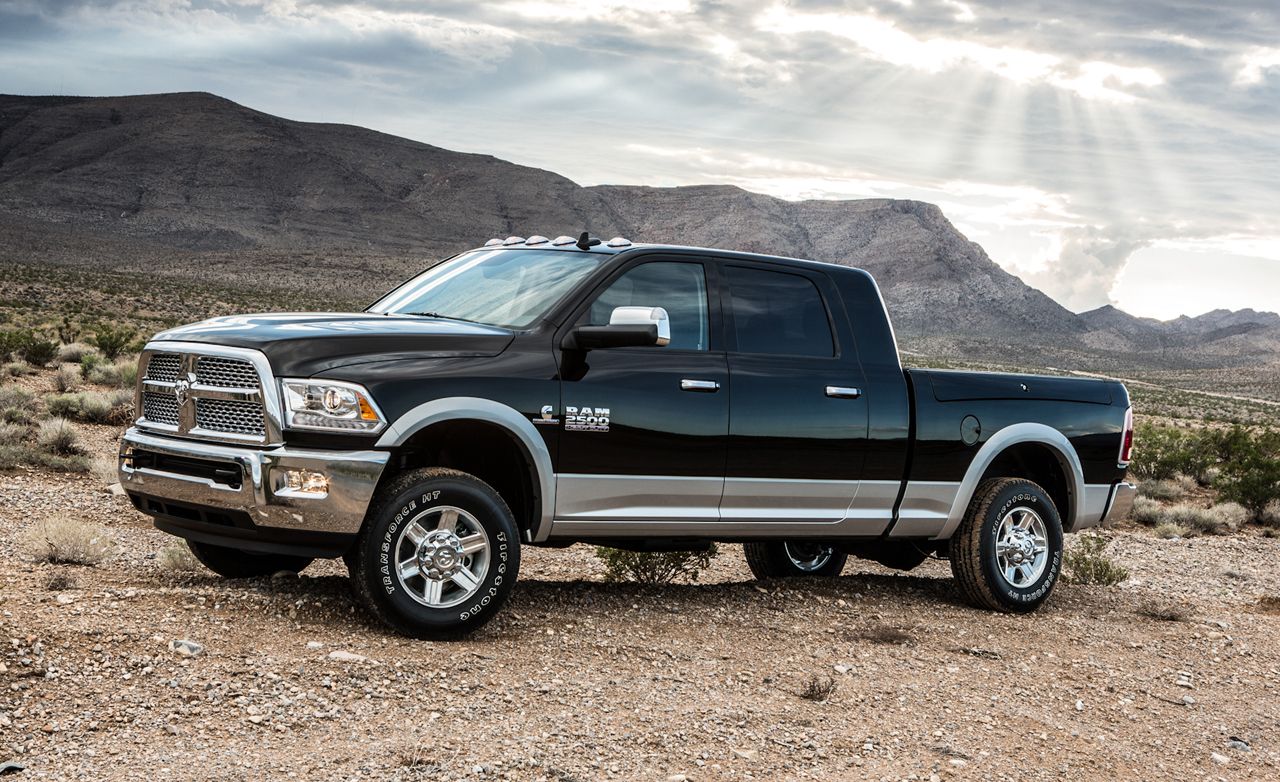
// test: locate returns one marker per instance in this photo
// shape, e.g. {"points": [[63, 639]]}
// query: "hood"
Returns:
{"points": [[303, 344]]}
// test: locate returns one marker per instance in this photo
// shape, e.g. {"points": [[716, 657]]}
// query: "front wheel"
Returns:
{"points": [[786, 559], [1007, 553], [438, 555], [235, 563]]}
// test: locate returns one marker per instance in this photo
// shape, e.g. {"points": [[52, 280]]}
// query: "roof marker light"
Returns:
{"points": [[536, 239], [618, 241], [561, 241], [494, 242], [513, 240]]}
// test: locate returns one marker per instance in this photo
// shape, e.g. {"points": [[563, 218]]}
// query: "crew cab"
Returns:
{"points": [[537, 392]]}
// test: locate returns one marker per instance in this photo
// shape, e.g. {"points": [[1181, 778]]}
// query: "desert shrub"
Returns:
{"points": [[90, 361], [654, 567], [68, 331], [1166, 489], [1204, 521], [122, 373], [1251, 477], [1165, 452], [178, 559], [18, 369], [12, 434], [37, 350], [74, 352], [27, 455], [1232, 515], [67, 541], [1087, 563], [92, 407], [1271, 514], [17, 404], [818, 688], [1147, 511], [113, 340], [1168, 530], [10, 340], [1164, 612], [66, 378], [57, 436]]}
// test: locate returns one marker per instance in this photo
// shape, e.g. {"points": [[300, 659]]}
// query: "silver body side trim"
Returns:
{"points": [[1120, 504], [1012, 435], [781, 499], [585, 497], [468, 407], [1098, 498], [926, 506]]}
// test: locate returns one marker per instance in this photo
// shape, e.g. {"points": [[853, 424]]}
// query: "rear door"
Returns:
{"points": [[798, 418], [644, 427]]}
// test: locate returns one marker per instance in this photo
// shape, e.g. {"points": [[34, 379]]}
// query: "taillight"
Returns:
{"points": [[1126, 443]]}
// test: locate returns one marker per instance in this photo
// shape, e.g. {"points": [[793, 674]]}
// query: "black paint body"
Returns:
{"points": [[771, 418]]}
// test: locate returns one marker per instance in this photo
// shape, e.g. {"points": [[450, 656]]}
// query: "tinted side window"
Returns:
{"points": [[680, 288], [779, 313]]}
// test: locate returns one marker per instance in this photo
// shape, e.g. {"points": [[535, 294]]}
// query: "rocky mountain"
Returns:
{"points": [[202, 180]]}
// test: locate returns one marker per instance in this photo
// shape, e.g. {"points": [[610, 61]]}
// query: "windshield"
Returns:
{"points": [[511, 288]]}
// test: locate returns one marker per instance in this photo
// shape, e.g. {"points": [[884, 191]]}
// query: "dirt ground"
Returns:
{"points": [[580, 679]]}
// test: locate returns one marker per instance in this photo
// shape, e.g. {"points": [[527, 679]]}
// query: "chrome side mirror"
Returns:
{"points": [[644, 316]]}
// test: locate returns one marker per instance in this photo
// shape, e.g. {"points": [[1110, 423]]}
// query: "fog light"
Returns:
{"points": [[306, 482]]}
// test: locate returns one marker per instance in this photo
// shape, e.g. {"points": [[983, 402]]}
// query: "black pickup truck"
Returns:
{"points": [[538, 392]]}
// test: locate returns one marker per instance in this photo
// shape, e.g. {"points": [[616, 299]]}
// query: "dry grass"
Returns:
{"points": [[1167, 490], [57, 436], [93, 407], [59, 582], [1168, 530], [818, 688], [103, 469], [121, 374], [66, 378], [75, 352], [17, 369], [64, 541], [1147, 511], [12, 434]]}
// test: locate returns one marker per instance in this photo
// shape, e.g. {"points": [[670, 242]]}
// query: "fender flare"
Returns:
{"points": [[999, 442], [468, 408]]}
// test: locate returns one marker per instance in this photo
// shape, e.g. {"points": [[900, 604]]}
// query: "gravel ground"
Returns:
{"points": [[583, 680]]}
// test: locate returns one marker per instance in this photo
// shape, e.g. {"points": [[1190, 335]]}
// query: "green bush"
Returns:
{"points": [[1085, 563], [1163, 452], [25, 455], [37, 350], [113, 340], [74, 352], [122, 374], [1251, 470], [17, 404], [654, 567]]}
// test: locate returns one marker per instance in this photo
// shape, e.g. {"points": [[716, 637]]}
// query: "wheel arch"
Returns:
{"points": [[1024, 443], [428, 422]]}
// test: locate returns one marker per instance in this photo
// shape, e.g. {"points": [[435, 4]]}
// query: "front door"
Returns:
{"points": [[644, 427], [798, 422]]}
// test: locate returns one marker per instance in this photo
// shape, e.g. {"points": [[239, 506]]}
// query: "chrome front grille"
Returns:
{"points": [[225, 372], [208, 392], [227, 415], [160, 408], [164, 367]]}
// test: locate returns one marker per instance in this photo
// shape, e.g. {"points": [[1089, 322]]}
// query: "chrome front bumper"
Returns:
{"points": [[1120, 504], [262, 491]]}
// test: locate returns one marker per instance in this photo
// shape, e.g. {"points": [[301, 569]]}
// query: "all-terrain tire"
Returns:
{"points": [[788, 559], [974, 559], [414, 506], [234, 563]]}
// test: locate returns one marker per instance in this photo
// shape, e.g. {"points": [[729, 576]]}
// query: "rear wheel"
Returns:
{"points": [[1007, 553], [235, 563], [787, 559], [438, 555]]}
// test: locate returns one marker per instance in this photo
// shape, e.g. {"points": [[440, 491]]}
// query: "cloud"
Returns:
{"points": [[1088, 264], [1256, 64]]}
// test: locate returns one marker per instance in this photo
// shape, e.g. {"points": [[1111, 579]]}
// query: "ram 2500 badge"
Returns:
{"points": [[546, 392]]}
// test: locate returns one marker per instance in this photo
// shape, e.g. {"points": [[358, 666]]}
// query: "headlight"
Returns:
{"points": [[329, 405]]}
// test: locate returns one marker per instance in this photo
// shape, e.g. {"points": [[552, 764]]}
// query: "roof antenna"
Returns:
{"points": [[585, 242]]}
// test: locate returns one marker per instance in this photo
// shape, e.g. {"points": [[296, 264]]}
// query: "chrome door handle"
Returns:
{"points": [[706, 386], [844, 392]]}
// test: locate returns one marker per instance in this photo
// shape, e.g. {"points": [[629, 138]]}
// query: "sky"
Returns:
{"points": [[1106, 152]]}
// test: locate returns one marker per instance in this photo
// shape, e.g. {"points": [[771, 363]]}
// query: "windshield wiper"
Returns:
{"points": [[443, 317]]}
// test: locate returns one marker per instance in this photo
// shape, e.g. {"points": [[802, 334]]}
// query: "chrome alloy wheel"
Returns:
{"points": [[809, 557], [442, 556], [1022, 547]]}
